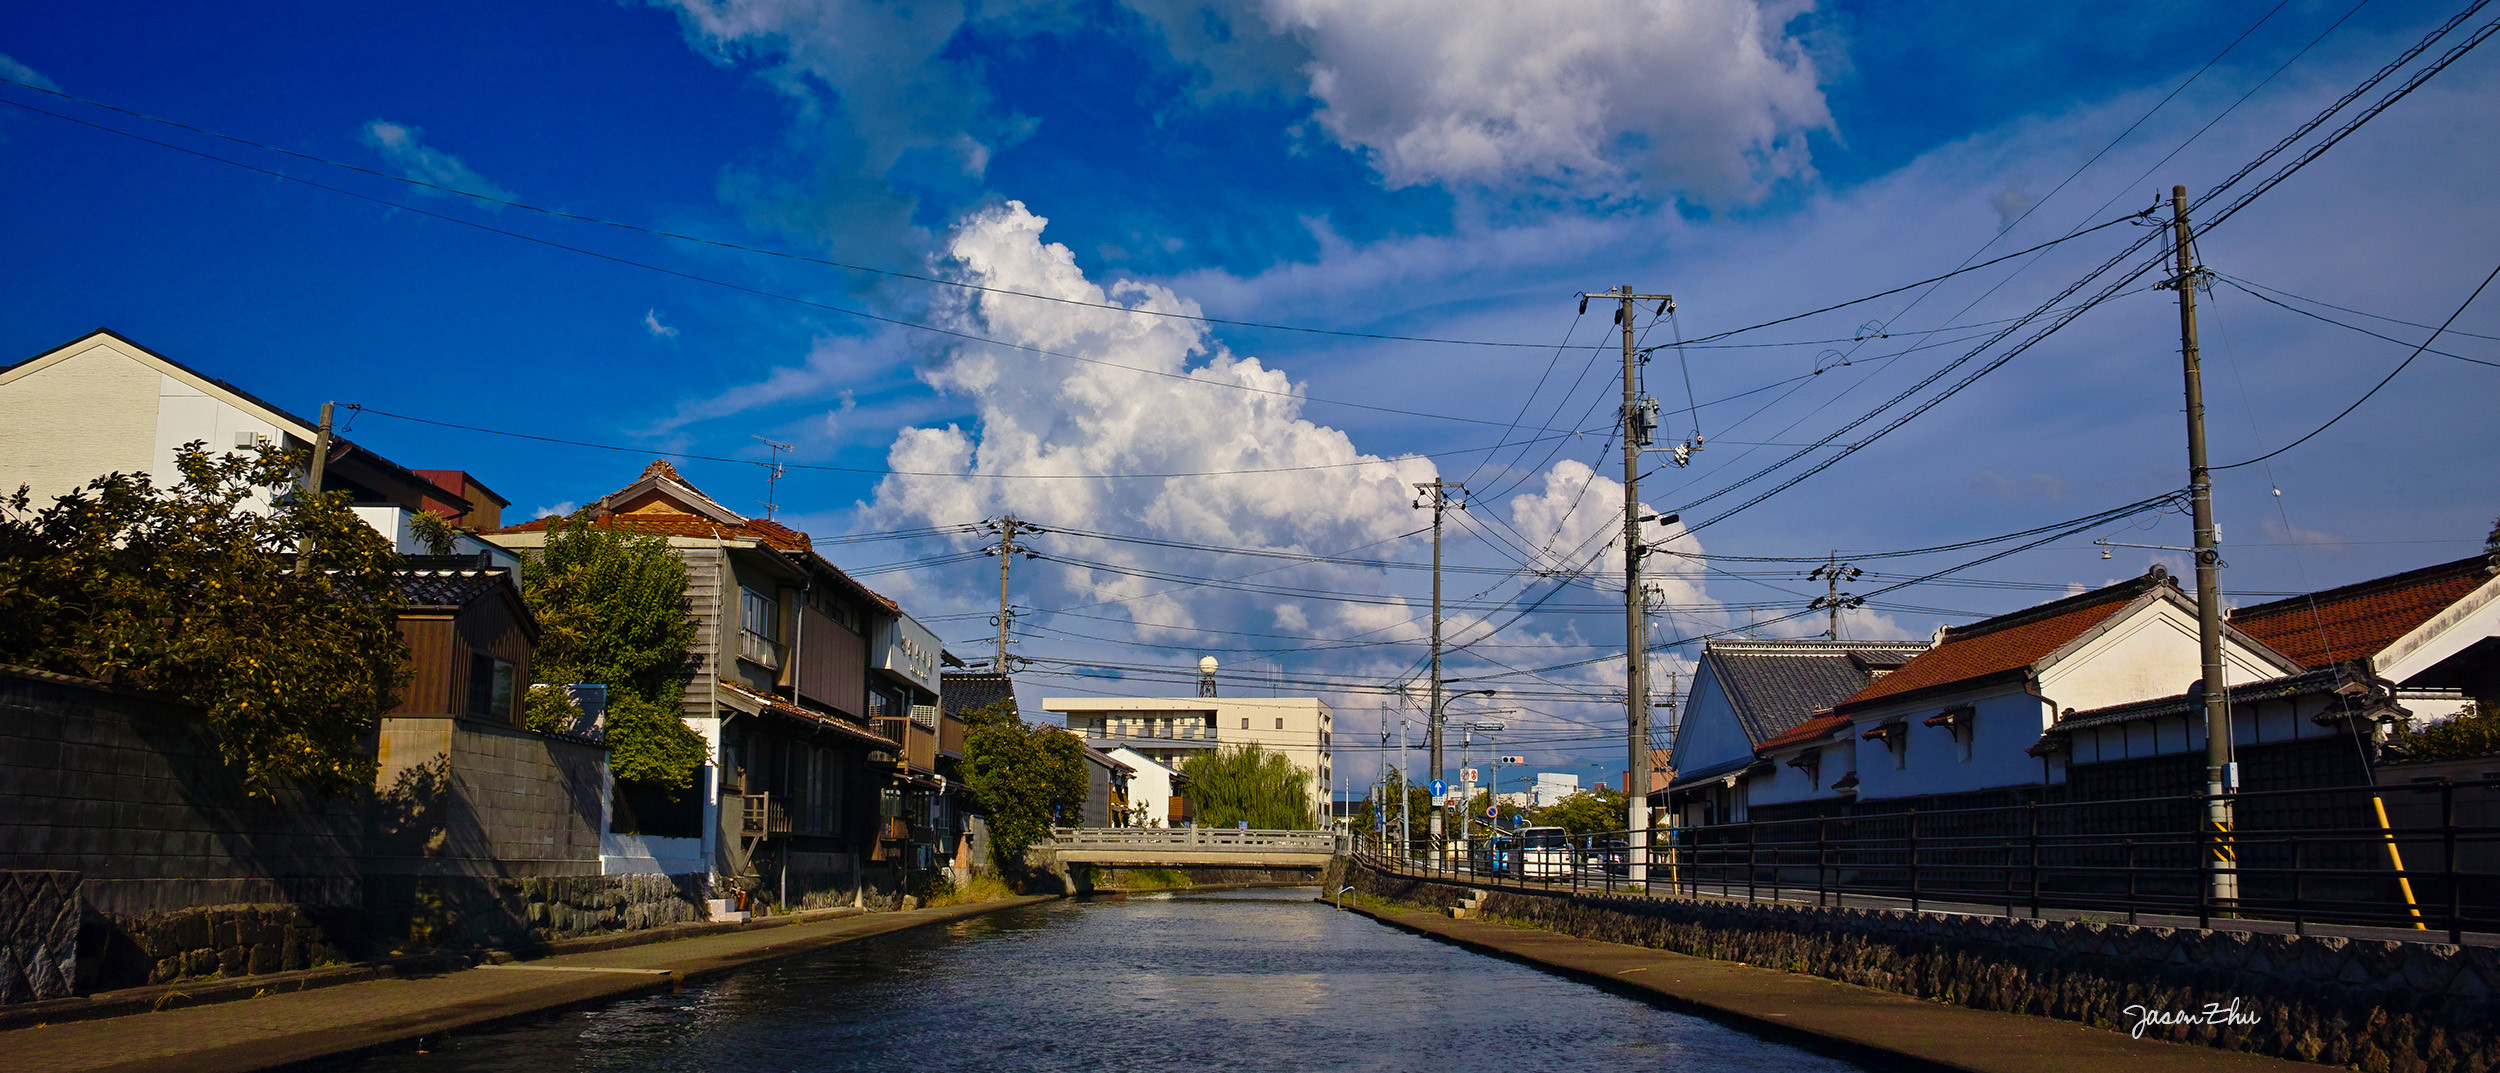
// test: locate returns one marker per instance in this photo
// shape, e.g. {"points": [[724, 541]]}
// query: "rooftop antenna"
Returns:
{"points": [[773, 472]]}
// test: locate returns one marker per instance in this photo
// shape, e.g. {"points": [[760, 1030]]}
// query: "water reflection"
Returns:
{"points": [[1241, 981]]}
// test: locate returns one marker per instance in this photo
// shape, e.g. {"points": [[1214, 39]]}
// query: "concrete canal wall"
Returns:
{"points": [[2367, 1004]]}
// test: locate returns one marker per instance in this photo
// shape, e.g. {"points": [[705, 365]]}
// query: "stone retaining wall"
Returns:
{"points": [[2373, 1005], [38, 935]]}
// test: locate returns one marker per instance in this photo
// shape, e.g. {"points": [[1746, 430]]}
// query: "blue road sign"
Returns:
{"points": [[1493, 812], [1440, 788]]}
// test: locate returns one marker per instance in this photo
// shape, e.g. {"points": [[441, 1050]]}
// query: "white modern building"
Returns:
{"points": [[1150, 788], [1169, 730]]}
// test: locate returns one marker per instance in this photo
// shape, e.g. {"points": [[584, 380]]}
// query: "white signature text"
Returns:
{"points": [[2214, 1013]]}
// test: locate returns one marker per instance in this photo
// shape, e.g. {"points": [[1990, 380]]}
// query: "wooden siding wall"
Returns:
{"points": [[430, 642], [490, 627], [833, 664], [705, 574]]}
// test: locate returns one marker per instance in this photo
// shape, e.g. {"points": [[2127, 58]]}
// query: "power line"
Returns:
{"points": [[2374, 388], [2236, 285], [879, 471]]}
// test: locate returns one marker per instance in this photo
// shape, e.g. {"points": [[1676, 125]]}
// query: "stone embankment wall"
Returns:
{"points": [[2372, 1005]]}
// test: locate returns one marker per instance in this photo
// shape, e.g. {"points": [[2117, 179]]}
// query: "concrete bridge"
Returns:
{"points": [[1183, 847]]}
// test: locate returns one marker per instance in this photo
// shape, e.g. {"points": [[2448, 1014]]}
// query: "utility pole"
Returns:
{"points": [[1406, 778], [1832, 573], [312, 485], [1436, 495], [2222, 774], [1640, 425], [1007, 528]]}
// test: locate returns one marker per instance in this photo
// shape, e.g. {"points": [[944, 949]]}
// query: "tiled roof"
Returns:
{"points": [[1818, 727], [2006, 642], [2360, 620], [960, 693], [773, 534], [1775, 685], [444, 585], [2322, 680]]}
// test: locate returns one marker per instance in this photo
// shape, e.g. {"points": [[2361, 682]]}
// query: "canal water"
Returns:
{"points": [[1218, 982]]}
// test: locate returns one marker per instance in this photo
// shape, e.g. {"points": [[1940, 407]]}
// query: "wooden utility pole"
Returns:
{"points": [[1640, 425], [312, 485], [1008, 527], [1435, 494], [2221, 771]]}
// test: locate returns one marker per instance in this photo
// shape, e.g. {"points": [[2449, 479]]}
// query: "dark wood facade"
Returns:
{"points": [[460, 630]]}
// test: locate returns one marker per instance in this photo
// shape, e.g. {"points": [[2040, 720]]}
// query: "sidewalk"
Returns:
{"points": [[347, 1019], [1859, 1023]]}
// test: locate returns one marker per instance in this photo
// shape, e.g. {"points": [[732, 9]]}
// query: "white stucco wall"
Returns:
{"points": [[100, 406], [2150, 652], [1149, 787], [1709, 734]]}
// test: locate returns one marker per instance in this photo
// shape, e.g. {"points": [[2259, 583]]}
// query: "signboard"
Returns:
{"points": [[1469, 774], [1440, 788], [907, 649], [1493, 812]]}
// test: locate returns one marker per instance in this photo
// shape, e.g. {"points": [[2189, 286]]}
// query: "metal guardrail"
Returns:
{"points": [[2421, 857]]}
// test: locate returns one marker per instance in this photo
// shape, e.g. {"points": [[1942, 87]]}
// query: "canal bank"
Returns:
{"points": [[396, 1012], [1868, 1026]]}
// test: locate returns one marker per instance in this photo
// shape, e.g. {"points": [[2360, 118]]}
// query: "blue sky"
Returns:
{"points": [[1446, 170]]}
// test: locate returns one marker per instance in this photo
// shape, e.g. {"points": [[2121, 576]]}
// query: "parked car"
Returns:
{"points": [[1608, 856], [1545, 852]]}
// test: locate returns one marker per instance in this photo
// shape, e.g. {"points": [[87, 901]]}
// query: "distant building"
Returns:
{"points": [[103, 404], [1151, 791], [1550, 788], [1169, 730]]}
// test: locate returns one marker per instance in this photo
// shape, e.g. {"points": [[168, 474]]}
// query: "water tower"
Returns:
{"points": [[1206, 676]]}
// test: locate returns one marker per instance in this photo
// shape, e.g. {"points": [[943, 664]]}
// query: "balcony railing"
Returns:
{"points": [[760, 650]]}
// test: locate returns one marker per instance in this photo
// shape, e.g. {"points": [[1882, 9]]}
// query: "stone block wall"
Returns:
{"points": [[2376, 1006], [225, 940], [409, 914], [126, 792], [39, 919], [463, 797]]}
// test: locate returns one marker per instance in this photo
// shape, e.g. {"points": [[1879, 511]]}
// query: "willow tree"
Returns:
{"points": [[1245, 783], [200, 591], [612, 610]]}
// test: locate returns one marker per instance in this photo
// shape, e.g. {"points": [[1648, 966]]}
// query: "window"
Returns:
{"points": [[759, 628], [1245, 722], [493, 688], [759, 614], [1280, 722]]}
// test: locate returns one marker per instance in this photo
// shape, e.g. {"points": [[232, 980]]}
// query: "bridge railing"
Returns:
{"points": [[1202, 839]]}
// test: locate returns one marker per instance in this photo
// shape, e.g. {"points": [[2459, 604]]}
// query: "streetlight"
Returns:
{"points": [[1440, 825]]}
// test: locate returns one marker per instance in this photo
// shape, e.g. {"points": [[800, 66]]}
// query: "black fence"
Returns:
{"points": [[2423, 856]]}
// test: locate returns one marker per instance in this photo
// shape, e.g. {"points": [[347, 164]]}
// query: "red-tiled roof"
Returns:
{"points": [[773, 534], [1811, 729], [2361, 619], [2006, 642]]}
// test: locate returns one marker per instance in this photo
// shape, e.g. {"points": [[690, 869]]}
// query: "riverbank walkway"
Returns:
{"points": [[376, 1015], [1857, 1023]]}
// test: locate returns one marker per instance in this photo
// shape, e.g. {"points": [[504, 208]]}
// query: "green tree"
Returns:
{"points": [[2476, 733], [1385, 809], [1239, 783], [1511, 815], [611, 607], [194, 591], [1023, 778], [1587, 812]]}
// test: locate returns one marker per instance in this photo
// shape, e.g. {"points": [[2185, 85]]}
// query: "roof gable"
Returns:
{"points": [[2009, 642], [204, 383], [1775, 685], [2360, 620]]}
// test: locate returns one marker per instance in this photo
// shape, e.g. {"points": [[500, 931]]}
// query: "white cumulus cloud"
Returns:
{"points": [[1712, 97], [403, 148]]}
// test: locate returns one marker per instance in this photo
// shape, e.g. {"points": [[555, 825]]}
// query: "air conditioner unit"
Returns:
{"points": [[244, 441]]}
